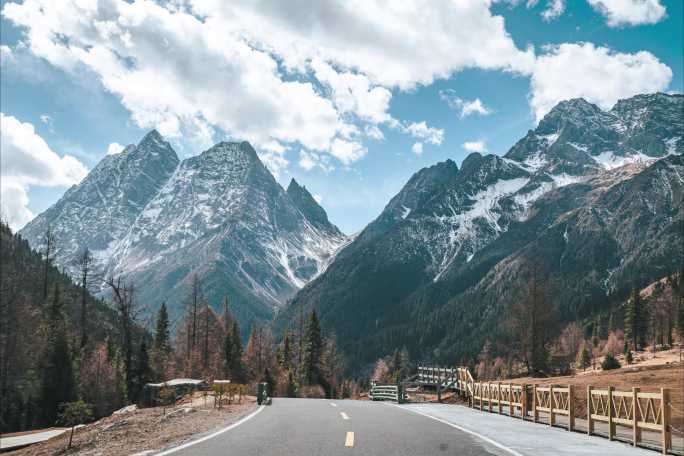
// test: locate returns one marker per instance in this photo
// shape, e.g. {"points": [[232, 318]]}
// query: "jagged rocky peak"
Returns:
{"points": [[156, 221], [421, 187], [306, 203], [578, 138], [101, 208], [478, 171]]}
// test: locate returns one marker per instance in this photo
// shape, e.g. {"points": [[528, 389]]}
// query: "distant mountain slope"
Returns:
{"points": [[596, 194], [220, 214]]}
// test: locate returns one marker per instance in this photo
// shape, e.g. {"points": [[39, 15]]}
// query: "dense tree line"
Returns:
{"points": [[535, 341], [57, 342]]}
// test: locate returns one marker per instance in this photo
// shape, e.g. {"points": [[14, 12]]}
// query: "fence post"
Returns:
{"points": [[489, 396], [665, 413], [571, 408], [535, 413], [499, 397], [511, 408], [552, 415], [523, 399], [439, 392], [636, 417], [481, 396], [611, 425], [590, 423]]}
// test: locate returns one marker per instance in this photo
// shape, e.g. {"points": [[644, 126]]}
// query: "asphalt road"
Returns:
{"points": [[301, 427]]}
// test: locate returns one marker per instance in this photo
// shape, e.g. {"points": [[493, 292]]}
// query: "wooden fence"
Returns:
{"points": [[635, 409], [631, 409], [554, 401]]}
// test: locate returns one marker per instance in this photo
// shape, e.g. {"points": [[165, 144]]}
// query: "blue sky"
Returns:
{"points": [[332, 81]]}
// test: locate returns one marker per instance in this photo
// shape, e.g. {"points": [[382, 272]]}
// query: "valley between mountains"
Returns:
{"points": [[591, 198]]}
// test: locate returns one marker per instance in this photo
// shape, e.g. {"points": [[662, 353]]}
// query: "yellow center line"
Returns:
{"points": [[344, 416], [350, 439]]}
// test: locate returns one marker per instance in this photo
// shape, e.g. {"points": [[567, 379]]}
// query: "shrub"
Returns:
{"points": [[73, 414], [609, 363], [628, 357]]}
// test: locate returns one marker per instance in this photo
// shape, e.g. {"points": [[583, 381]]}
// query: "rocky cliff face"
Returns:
{"points": [[595, 195], [220, 215]]}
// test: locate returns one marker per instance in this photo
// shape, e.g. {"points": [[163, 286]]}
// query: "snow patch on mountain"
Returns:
{"points": [[464, 226], [609, 160]]}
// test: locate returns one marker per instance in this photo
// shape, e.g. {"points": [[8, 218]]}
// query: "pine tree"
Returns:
{"points": [[55, 370], [161, 334], [228, 353], [583, 357], [312, 351], [141, 372], [635, 320], [595, 332], [238, 366], [232, 354], [285, 352], [85, 261]]}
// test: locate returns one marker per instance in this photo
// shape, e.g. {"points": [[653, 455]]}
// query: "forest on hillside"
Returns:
{"points": [[60, 345]]}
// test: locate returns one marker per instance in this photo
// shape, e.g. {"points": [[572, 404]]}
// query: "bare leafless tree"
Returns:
{"points": [[193, 305], [532, 316], [124, 301]]}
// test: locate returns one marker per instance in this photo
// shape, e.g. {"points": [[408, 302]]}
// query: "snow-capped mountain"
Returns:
{"points": [[449, 228], [220, 214], [100, 210]]}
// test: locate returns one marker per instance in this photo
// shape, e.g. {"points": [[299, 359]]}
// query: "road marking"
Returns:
{"points": [[228, 428], [467, 431], [333, 404], [350, 439], [344, 416]]}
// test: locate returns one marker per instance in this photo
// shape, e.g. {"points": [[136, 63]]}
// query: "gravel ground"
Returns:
{"points": [[143, 430]]}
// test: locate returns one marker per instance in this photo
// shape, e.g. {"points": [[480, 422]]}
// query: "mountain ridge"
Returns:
{"points": [[220, 214], [391, 291]]}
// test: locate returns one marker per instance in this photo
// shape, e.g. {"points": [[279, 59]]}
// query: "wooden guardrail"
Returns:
{"points": [[635, 409], [632, 409], [554, 401]]}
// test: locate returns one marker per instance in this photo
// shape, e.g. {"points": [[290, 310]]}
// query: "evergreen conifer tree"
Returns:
{"points": [[635, 320], [142, 370], [55, 370], [312, 351], [583, 357]]}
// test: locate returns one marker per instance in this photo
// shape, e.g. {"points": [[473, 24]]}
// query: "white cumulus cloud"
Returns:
{"points": [[466, 107], [347, 151], [395, 44], [475, 146], [421, 130], [417, 148], [554, 9], [114, 148], [630, 12], [28, 161], [597, 74]]}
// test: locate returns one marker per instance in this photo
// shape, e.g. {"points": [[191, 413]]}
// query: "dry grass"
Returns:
{"points": [[142, 430], [646, 377]]}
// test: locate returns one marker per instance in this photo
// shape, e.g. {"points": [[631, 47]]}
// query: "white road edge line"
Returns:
{"points": [[467, 431], [344, 416], [333, 404], [210, 436]]}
